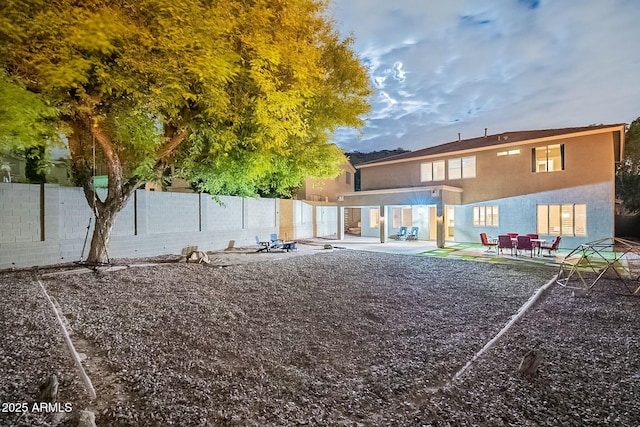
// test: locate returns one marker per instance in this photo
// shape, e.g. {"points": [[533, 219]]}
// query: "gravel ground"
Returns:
{"points": [[337, 338]]}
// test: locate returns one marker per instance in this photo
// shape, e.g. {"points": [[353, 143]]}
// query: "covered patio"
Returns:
{"points": [[428, 206]]}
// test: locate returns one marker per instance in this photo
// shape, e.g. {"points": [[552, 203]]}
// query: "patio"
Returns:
{"points": [[452, 250]]}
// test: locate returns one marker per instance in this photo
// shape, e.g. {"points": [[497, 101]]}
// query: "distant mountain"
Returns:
{"points": [[356, 157]]}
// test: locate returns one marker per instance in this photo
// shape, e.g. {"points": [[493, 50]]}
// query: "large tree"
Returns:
{"points": [[241, 96], [628, 172]]}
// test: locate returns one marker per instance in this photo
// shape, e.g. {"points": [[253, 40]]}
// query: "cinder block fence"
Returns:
{"points": [[47, 224]]}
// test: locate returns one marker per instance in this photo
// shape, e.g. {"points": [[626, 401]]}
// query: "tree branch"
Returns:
{"points": [[81, 167], [174, 139]]}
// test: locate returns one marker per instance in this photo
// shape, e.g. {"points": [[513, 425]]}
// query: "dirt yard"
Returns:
{"points": [[339, 338]]}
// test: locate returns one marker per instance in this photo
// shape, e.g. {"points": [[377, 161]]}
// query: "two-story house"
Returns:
{"points": [[327, 190], [550, 182]]}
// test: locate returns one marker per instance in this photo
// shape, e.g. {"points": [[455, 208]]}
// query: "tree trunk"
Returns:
{"points": [[87, 135], [104, 219]]}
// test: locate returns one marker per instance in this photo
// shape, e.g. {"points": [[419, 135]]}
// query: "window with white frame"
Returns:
{"points": [[462, 167], [374, 218], [485, 216], [562, 219], [512, 152], [549, 158], [469, 167], [401, 217], [455, 168], [432, 171]]}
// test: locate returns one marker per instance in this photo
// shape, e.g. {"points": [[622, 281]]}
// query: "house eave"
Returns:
{"points": [[497, 146]]}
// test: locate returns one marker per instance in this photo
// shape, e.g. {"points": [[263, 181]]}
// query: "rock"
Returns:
{"points": [[199, 257], [579, 293], [530, 362], [87, 419], [48, 390]]}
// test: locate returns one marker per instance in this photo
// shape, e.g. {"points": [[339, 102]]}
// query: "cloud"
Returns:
{"points": [[462, 66]]}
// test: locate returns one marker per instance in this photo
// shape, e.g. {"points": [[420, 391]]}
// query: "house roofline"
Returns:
{"points": [[402, 190], [573, 134]]}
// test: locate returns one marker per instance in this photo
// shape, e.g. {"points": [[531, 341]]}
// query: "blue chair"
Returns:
{"points": [[263, 246], [275, 242], [413, 234], [402, 233]]}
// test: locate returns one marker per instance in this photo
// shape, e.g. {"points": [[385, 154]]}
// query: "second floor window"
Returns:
{"points": [[464, 167], [549, 158], [432, 171]]}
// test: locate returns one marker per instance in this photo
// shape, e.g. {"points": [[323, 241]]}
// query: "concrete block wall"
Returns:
{"points": [[19, 213], [326, 221], [172, 212], [262, 213], [224, 215], [302, 219], [152, 223], [77, 213]]}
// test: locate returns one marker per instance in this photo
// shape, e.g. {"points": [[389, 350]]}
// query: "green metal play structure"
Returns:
{"points": [[610, 258]]}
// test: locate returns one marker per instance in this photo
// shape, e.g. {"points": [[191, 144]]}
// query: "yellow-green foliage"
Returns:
{"points": [[240, 96], [25, 119]]}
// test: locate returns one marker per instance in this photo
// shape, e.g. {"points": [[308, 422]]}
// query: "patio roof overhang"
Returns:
{"points": [[412, 196]]}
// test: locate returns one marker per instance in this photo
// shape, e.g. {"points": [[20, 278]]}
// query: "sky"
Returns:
{"points": [[443, 67]]}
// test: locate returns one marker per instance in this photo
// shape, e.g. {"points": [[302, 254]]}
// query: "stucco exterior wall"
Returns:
{"points": [[327, 190], [588, 160], [518, 214]]}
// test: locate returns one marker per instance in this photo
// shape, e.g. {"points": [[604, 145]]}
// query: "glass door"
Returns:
{"points": [[449, 223], [433, 223]]}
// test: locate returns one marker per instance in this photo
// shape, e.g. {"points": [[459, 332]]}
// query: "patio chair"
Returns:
{"points": [[525, 244], [402, 233], [263, 246], [413, 233], [505, 242], [553, 246], [490, 244], [536, 243], [512, 235], [276, 243]]}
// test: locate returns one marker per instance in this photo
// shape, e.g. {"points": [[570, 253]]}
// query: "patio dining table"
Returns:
{"points": [[536, 243]]}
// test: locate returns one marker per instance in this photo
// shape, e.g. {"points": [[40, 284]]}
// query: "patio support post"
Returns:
{"points": [[340, 222], [384, 237], [440, 224]]}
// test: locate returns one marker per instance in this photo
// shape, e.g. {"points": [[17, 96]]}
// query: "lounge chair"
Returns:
{"points": [[490, 244], [525, 244], [402, 233], [553, 246], [413, 233], [263, 246], [276, 243], [289, 246], [505, 242]]}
